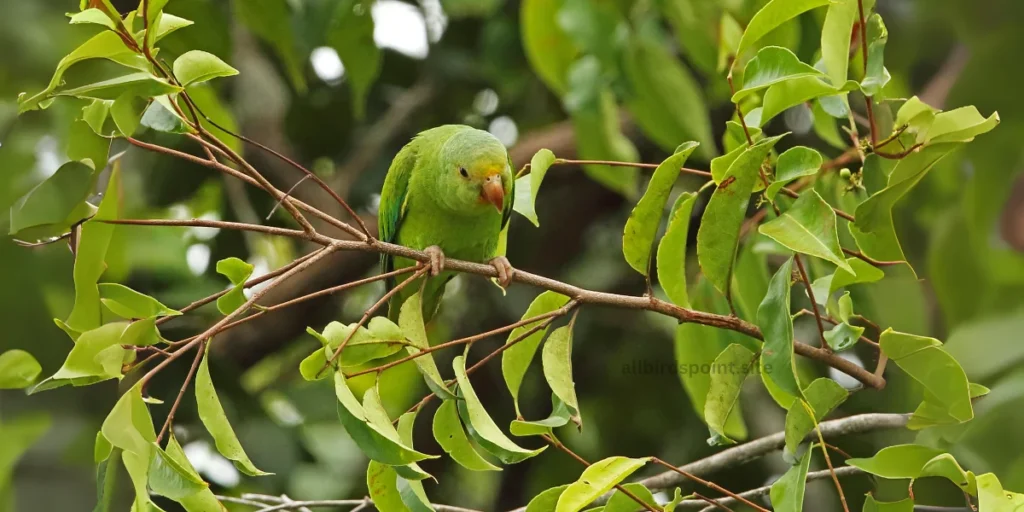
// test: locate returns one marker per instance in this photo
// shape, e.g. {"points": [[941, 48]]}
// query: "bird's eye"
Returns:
{"points": [[463, 172]]}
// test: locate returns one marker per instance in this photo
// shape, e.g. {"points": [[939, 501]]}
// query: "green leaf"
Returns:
{"points": [[960, 125], [351, 35], [202, 501], [665, 100], [378, 445], [671, 257], [871, 505], [877, 76], [92, 15], [898, 461], [557, 363], [96, 356], [560, 415], [728, 372], [771, 65], [211, 412], [644, 220], [378, 417], [599, 132], [821, 397], [824, 287], [238, 272], [596, 480], [527, 187], [410, 319], [515, 360], [50, 208], [771, 16], [378, 339], [452, 438], [697, 346], [197, 66], [127, 111], [991, 495], [808, 227], [835, 38], [549, 51], [784, 399], [169, 478], [382, 486], [924, 359], [167, 23], [481, 427], [135, 84], [917, 116], [271, 21], [92, 251], [773, 317], [794, 163], [129, 425], [105, 45], [843, 336], [787, 493], [128, 303], [18, 369], [160, 116], [547, 500], [718, 235], [621, 502], [791, 93]]}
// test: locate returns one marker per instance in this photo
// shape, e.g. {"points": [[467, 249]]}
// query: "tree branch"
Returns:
{"points": [[746, 452]]}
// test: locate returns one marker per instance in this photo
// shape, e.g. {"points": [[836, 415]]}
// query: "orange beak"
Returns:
{"points": [[493, 192]]}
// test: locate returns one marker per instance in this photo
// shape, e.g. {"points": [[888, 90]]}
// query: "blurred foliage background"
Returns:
{"points": [[304, 77]]}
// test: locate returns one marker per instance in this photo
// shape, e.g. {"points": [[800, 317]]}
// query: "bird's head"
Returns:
{"points": [[476, 174]]}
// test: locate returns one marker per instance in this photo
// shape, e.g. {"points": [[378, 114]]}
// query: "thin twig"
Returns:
{"points": [[867, 259], [369, 312], [709, 484], [557, 444], [810, 295], [454, 343], [215, 328], [200, 350], [751, 450]]}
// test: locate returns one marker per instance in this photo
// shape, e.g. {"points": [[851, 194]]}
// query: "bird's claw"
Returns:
{"points": [[436, 263], [505, 270]]}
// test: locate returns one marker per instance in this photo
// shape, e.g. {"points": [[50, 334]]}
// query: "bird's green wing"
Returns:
{"points": [[393, 199]]}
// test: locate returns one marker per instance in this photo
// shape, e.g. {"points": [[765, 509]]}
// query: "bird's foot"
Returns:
{"points": [[436, 259], [505, 270]]}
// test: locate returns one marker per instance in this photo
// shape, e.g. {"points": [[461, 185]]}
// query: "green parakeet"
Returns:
{"points": [[448, 192]]}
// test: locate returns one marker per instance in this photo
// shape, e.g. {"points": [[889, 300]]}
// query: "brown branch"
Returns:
{"points": [[712, 504], [246, 178], [864, 56], [833, 321], [219, 224], [554, 442], [828, 462], [200, 350], [454, 343], [766, 490], [867, 259], [420, 272], [746, 452], [710, 484], [215, 328], [267, 503], [810, 295]]}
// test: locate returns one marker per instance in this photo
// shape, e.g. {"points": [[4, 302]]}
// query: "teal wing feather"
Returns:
{"points": [[393, 199]]}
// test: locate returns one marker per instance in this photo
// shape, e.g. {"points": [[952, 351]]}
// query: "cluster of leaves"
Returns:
{"points": [[594, 55]]}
